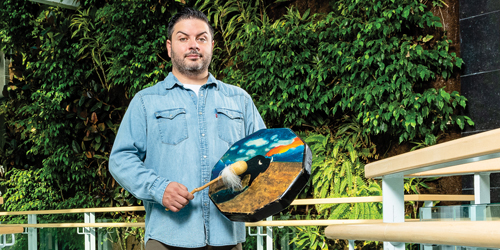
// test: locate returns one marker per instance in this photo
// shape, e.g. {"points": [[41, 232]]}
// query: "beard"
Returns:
{"points": [[188, 67]]}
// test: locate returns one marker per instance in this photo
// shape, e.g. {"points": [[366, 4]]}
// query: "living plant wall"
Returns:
{"points": [[350, 81]]}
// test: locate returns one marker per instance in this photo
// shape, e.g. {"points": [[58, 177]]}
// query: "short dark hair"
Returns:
{"points": [[187, 13]]}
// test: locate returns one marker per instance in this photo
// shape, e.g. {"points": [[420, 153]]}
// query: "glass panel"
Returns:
{"points": [[71, 238], [20, 241], [479, 212], [60, 238], [462, 212]]}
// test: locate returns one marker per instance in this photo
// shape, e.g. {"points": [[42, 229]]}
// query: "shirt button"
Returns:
{"points": [[201, 94], [200, 113], [206, 180], [206, 204], [203, 135], [204, 156]]}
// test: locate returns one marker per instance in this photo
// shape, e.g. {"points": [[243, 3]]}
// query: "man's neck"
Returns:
{"points": [[196, 79]]}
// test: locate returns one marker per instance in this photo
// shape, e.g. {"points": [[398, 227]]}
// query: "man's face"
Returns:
{"points": [[190, 47]]}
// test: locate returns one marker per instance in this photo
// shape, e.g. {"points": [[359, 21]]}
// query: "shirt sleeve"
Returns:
{"points": [[253, 120], [126, 162]]}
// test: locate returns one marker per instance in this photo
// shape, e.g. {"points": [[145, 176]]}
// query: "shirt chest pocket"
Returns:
{"points": [[230, 124], [172, 125]]}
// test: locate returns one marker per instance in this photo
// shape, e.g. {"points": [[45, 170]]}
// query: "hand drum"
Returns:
{"points": [[278, 168]]}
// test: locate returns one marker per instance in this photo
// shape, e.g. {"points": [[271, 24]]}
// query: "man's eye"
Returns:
{"points": [[183, 39], [202, 39]]}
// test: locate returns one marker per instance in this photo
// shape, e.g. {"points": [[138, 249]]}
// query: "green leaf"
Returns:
{"points": [[427, 38], [75, 147]]}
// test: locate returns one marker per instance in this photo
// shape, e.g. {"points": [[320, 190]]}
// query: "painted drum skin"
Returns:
{"points": [[279, 166]]}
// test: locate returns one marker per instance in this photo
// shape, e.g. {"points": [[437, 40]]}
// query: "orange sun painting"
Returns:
{"points": [[283, 148]]}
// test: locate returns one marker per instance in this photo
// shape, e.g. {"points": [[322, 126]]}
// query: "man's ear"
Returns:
{"points": [[169, 48]]}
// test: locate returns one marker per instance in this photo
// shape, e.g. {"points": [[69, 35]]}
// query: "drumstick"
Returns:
{"points": [[229, 176]]}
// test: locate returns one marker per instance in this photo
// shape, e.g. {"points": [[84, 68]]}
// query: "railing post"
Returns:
{"points": [[482, 188], [427, 214], [89, 232], [393, 205], [481, 196], [269, 235], [259, 235], [260, 239], [32, 233], [351, 245]]}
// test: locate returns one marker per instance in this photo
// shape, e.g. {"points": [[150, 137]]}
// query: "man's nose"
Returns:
{"points": [[193, 44]]}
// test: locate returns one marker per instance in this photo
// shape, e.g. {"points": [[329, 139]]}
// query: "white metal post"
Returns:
{"points": [[351, 244], [32, 233], [269, 235], [482, 188], [481, 196], [393, 205], [259, 235], [89, 232], [260, 239], [427, 214]]}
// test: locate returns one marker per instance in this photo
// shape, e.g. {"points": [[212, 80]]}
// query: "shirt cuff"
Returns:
{"points": [[158, 189]]}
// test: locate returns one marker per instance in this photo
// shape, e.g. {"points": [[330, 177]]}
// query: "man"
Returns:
{"points": [[173, 134]]}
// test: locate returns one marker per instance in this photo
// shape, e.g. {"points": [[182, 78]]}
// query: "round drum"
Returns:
{"points": [[278, 168]]}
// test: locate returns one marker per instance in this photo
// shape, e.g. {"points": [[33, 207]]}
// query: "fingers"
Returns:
{"points": [[176, 197], [185, 193], [176, 206]]}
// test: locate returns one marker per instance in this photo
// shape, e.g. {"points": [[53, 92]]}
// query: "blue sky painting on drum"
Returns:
{"points": [[278, 145]]}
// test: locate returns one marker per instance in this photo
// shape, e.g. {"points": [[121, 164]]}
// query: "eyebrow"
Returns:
{"points": [[204, 32]]}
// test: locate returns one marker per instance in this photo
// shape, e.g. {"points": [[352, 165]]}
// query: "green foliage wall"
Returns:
{"points": [[75, 73], [341, 78], [370, 60]]}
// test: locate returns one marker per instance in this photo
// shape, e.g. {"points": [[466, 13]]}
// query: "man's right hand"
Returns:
{"points": [[176, 196]]}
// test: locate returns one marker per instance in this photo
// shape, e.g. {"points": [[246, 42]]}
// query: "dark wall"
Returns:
{"points": [[480, 78], [480, 50]]}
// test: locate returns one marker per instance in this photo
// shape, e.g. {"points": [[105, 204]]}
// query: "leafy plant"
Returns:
{"points": [[338, 171], [310, 237]]}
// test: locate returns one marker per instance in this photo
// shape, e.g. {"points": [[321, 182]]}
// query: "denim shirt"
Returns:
{"points": [[170, 134]]}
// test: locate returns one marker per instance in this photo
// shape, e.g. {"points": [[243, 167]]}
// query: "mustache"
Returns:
{"points": [[193, 53]]}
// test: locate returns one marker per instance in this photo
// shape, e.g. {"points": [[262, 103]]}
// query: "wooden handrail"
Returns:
{"points": [[408, 197], [337, 200], [289, 223], [11, 229], [439, 197], [478, 147], [78, 210], [491, 165], [66, 225], [456, 233], [296, 223], [420, 197]]}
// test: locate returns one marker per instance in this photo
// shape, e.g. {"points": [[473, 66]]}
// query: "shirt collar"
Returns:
{"points": [[171, 81]]}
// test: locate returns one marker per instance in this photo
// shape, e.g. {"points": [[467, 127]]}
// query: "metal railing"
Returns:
{"points": [[477, 154], [88, 227]]}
